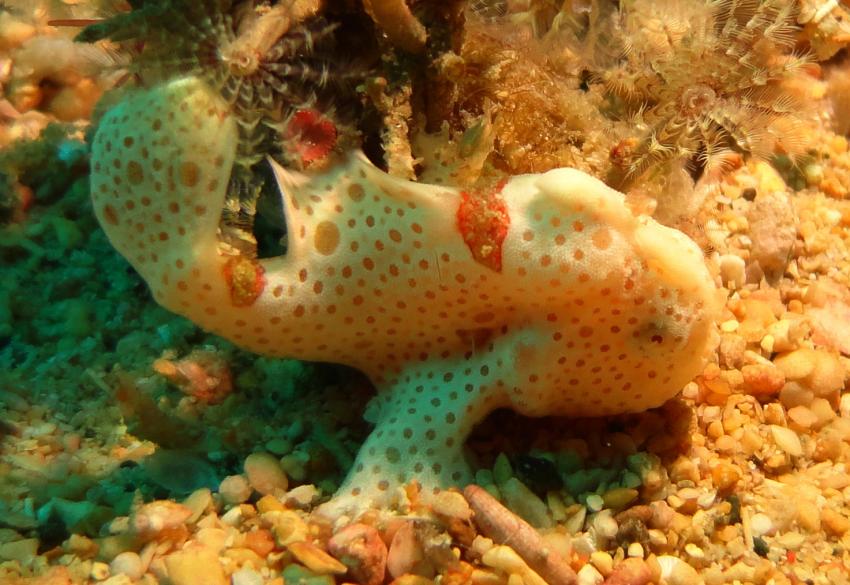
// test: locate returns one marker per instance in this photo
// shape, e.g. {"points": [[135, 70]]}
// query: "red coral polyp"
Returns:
{"points": [[310, 136]]}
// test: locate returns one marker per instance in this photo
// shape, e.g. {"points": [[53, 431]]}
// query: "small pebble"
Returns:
{"points": [[287, 527], [316, 559], [452, 504], [155, 517], [761, 524], [725, 476], [361, 549], [604, 525], [803, 416], [823, 411], [844, 406], [279, 446], [294, 465], [787, 440], [198, 502], [300, 575], [302, 496], [99, 571], [194, 565], [405, 551], [657, 538], [619, 498], [233, 517], [631, 571], [576, 516], [502, 470], [834, 523], [234, 489], [733, 271], [694, 551], [525, 503], [588, 575], [595, 502], [246, 576], [602, 561], [706, 500], [635, 550], [265, 474], [675, 571], [127, 563], [808, 515]]}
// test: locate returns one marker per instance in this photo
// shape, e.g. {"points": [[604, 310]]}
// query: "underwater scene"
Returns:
{"points": [[424, 292]]}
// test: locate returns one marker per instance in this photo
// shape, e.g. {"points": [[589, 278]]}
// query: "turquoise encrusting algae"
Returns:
{"points": [[136, 447]]}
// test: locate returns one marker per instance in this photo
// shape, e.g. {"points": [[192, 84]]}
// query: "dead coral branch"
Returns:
{"points": [[398, 22], [504, 527]]}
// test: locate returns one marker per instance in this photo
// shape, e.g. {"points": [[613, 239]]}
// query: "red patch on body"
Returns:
{"points": [[483, 221], [246, 280], [311, 134]]}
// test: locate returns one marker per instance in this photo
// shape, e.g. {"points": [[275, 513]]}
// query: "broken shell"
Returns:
{"points": [[286, 526], [153, 518], [452, 505], [631, 571], [360, 548], [506, 559], [675, 571], [405, 552], [315, 559]]}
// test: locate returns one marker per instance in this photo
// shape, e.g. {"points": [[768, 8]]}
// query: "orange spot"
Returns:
{"points": [[245, 278], [484, 317], [110, 215], [601, 238], [356, 191], [189, 174], [326, 238]]}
